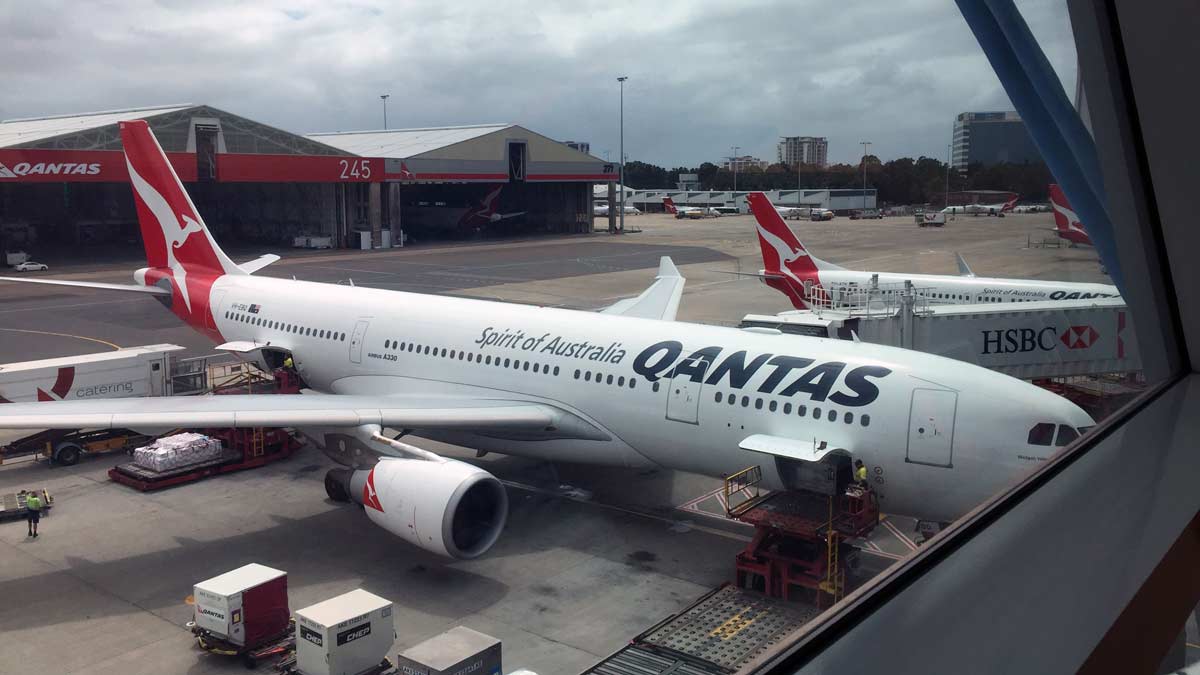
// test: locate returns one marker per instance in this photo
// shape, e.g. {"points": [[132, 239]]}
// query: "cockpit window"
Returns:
{"points": [[1066, 434], [1041, 434]]}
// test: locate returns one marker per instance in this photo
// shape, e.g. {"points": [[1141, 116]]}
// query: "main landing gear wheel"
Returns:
{"points": [[335, 486]]}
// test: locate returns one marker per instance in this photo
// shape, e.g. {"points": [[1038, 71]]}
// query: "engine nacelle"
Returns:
{"points": [[450, 508]]}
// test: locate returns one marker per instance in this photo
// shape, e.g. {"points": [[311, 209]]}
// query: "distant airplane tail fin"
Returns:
{"points": [[1061, 207], [1008, 205], [669, 205], [788, 267]]}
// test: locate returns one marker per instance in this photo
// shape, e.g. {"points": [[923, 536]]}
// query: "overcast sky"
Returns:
{"points": [[703, 76]]}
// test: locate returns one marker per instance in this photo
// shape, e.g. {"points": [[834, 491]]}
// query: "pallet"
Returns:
{"points": [[145, 480]]}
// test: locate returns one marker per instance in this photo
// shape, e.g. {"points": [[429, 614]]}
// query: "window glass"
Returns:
{"points": [[865, 420], [832, 416], [848, 418], [1041, 434], [1066, 434], [609, 380], [758, 404], [787, 408], [773, 406]]}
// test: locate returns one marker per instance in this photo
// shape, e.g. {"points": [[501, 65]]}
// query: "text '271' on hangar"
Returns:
{"points": [[64, 182]]}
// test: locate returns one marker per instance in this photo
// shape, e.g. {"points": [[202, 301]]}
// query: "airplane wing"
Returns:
{"points": [[780, 446], [150, 290], [282, 410], [660, 301], [258, 263]]}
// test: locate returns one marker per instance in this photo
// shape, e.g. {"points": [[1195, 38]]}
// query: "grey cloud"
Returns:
{"points": [[703, 75]]}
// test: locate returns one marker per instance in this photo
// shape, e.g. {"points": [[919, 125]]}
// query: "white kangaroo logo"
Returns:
{"points": [[173, 235]]}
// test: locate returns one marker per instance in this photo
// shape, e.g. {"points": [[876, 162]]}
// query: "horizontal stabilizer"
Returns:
{"points": [[151, 290], [780, 446], [660, 301], [258, 263]]}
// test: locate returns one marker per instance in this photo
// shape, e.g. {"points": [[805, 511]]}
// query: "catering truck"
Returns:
{"points": [[123, 373]]}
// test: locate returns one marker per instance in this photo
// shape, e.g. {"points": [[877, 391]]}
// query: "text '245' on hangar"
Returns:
{"points": [[64, 182]]}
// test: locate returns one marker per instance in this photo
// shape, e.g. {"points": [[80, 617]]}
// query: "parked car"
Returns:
{"points": [[821, 214], [30, 266]]}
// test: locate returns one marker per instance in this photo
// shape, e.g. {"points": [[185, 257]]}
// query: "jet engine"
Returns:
{"points": [[448, 507]]}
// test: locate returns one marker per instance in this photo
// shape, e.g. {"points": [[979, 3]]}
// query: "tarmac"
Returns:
{"points": [[590, 557]]}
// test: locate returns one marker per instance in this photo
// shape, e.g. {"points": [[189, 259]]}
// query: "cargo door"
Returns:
{"points": [[356, 341], [683, 395], [158, 376], [237, 623], [931, 427]]}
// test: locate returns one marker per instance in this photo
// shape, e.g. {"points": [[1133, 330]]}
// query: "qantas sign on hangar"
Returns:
{"points": [[271, 185]]}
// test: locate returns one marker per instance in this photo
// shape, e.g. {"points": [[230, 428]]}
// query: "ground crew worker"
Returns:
{"points": [[860, 473], [33, 512], [289, 364]]}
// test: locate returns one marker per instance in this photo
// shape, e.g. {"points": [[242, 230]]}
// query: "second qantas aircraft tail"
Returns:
{"points": [[669, 205], [1063, 214], [780, 247]]}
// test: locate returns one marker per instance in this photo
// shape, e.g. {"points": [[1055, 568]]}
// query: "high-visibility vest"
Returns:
{"points": [[861, 473], [33, 503]]}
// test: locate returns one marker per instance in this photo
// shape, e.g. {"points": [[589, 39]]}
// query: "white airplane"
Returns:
{"points": [[628, 387], [983, 209], [803, 277], [692, 212], [794, 212]]}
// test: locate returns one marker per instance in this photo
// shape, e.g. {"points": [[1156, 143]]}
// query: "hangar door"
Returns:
{"points": [[931, 427]]}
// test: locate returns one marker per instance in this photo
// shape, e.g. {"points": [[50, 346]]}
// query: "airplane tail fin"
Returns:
{"points": [[166, 214], [780, 246], [1008, 205], [1059, 204], [669, 205]]}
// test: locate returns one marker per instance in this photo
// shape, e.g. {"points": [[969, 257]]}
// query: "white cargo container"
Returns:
{"points": [[123, 373], [346, 635], [247, 606], [458, 651]]}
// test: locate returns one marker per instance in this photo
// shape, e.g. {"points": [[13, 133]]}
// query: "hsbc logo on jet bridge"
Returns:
{"points": [[1023, 340], [49, 169]]}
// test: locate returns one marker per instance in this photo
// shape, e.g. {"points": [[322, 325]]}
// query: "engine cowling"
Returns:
{"points": [[450, 508]]}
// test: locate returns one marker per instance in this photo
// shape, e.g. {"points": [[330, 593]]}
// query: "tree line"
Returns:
{"points": [[899, 181]]}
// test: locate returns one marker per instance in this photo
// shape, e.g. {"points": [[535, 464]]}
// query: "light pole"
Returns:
{"points": [[733, 149], [864, 160], [384, 98], [622, 79]]}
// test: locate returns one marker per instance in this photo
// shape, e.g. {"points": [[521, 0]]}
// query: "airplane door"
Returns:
{"points": [[683, 397], [931, 427], [356, 341]]}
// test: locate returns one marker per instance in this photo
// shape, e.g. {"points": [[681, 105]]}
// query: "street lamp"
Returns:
{"points": [[948, 150], [384, 98], [864, 161], [733, 150], [622, 153]]}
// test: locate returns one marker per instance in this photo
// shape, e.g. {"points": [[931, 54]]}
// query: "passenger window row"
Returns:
{"points": [[601, 378], [830, 415], [471, 357], [307, 331]]}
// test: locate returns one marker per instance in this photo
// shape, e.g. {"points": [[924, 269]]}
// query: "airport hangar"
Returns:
{"points": [[63, 181]]}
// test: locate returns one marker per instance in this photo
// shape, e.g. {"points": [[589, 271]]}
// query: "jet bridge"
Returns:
{"points": [[1029, 340]]}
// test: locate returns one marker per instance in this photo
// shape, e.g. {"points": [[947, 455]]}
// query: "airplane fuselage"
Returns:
{"points": [[938, 436]]}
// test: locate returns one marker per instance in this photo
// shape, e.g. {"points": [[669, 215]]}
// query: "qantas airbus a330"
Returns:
{"points": [[804, 278], [628, 387]]}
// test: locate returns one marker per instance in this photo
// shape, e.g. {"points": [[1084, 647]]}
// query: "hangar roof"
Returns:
{"points": [[404, 143], [32, 129], [171, 124]]}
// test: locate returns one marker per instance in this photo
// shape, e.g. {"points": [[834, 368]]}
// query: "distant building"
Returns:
{"points": [[688, 181], [582, 146], [991, 138], [744, 162], [794, 150]]}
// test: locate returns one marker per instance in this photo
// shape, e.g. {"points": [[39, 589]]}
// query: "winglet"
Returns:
{"points": [[964, 270], [660, 301]]}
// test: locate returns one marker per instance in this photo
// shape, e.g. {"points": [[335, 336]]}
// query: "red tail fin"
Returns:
{"points": [[1008, 205], [788, 267], [166, 215], [1062, 207], [669, 205]]}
